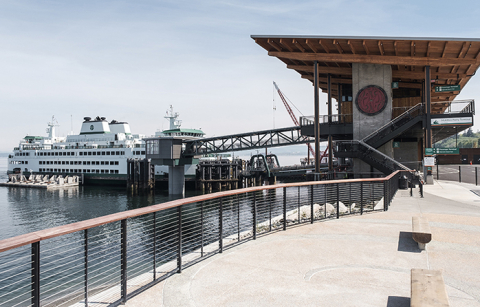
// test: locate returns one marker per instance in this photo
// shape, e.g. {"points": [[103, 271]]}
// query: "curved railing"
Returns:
{"points": [[112, 258]]}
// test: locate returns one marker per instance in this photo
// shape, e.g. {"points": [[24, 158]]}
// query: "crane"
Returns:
{"points": [[292, 115]]}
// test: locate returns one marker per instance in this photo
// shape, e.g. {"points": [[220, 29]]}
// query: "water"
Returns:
{"points": [[27, 210]]}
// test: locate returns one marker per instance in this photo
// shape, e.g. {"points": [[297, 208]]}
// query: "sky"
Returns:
{"points": [[131, 60]]}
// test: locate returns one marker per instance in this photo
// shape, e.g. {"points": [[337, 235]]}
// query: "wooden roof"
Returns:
{"points": [[453, 61]]}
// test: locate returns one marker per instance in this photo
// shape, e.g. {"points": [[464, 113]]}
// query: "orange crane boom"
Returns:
{"points": [[292, 115]]}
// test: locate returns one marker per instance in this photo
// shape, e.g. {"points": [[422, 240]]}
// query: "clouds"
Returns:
{"points": [[129, 60]]}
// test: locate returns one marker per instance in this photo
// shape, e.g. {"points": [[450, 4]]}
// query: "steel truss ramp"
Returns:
{"points": [[246, 141]]}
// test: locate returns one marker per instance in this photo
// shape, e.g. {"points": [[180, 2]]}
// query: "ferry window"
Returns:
{"points": [[111, 163], [102, 171], [97, 162], [94, 153], [97, 171], [116, 171], [108, 153], [103, 153], [103, 163], [89, 153], [26, 162], [118, 153], [56, 153], [88, 171], [123, 153], [84, 162], [116, 162], [111, 171], [81, 153], [55, 170], [143, 152], [84, 170], [88, 162]]}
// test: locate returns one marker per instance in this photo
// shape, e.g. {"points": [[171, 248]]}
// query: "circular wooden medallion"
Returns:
{"points": [[371, 100]]}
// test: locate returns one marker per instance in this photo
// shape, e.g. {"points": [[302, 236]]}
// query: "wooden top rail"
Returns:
{"points": [[40, 235], [428, 289]]}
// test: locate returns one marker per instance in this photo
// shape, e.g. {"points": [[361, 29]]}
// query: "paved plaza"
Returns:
{"points": [[353, 261]]}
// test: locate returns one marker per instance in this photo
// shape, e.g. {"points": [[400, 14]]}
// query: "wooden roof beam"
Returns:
{"points": [[351, 46], [311, 45], [337, 45], [365, 47], [285, 43], [324, 46], [298, 45], [272, 43], [380, 48], [418, 75], [372, 59]]}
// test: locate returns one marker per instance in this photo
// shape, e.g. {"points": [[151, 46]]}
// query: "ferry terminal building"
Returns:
{"points": [[395, 95]]}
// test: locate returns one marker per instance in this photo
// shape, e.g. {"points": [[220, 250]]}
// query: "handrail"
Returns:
{"points": [[80, 262], [37, 236], [398, 118]]}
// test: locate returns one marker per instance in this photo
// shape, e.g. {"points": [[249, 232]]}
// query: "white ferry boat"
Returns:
{"points": [[99, 152]]}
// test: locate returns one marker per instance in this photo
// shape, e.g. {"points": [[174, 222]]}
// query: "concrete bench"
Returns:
{"points": [[421, 231], [428, 289]]}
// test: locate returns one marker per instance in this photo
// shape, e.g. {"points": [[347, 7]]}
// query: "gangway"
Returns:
{"points": [[246, 141]]}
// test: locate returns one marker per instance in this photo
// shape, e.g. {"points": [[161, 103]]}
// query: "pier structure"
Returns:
{"points": [[140, 175], [219, 174], [395, 95], [42, 181]]}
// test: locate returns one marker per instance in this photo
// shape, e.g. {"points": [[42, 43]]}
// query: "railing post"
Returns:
{"points": [[476, 177], [284, 208], [385, 196], [361, 198], [85, 265], [220, 227], [459, 173], [238, 218], [201, 229], [124, 260], [311, 204], [437, 171], [179, 248], [35, 279], [270, 209], [254, 218], [338, 202], [154, 245]]}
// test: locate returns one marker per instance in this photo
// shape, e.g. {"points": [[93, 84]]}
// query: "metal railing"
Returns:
{"points": [[456, 106], [323, 119], [459, 173], [109, 259]]}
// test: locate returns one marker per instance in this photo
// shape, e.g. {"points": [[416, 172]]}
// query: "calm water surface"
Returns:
{"points": [[25, 210]]}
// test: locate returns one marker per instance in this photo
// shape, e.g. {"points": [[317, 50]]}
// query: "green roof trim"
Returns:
{"points": [[32, 137], [180, 130]]}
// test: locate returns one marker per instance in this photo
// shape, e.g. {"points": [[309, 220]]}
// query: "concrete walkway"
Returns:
{"points": [[354, 261]]}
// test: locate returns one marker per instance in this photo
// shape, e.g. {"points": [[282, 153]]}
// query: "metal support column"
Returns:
{"points": [[179, 251], [284, 208], [35, 280], [330, 149], [220, 228], [124, 260], [85, 266], [428, 130], [316, 119]]}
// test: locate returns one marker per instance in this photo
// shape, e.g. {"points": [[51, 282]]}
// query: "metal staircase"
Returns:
{"points": [[366, 149]]}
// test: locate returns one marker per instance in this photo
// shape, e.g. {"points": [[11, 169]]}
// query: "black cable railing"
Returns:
{"points": [[109, 259]]}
